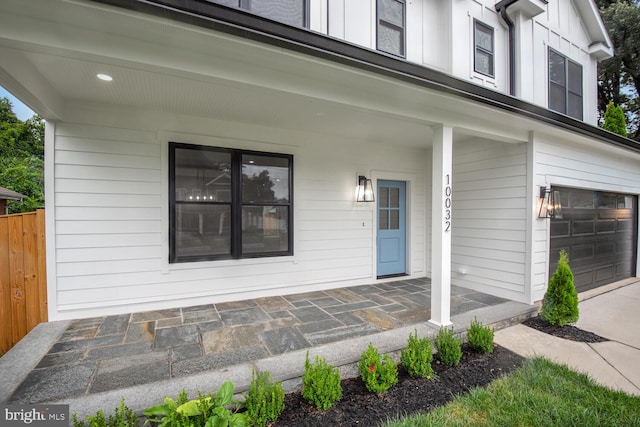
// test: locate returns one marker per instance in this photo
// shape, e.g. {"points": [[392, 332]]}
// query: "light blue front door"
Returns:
{"points": [[392, 233]]}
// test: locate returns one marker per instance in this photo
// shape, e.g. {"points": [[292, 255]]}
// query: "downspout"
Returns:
{"points": [[501, 8]]}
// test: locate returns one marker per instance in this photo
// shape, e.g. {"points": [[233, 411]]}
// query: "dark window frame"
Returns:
{"points": [[476, 48], [568, 93], [236, 204], [403, 29], [246, 5]]}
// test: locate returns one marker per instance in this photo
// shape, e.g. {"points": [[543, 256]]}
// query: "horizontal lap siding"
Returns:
{"points": [[111, 229], [489, 217], [572, 165]]}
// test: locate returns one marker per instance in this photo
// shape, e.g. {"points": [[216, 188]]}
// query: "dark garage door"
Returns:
{"points": [[598, 230]]}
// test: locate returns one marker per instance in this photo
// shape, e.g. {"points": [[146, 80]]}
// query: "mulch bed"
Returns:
{"points": [[568, 332]]}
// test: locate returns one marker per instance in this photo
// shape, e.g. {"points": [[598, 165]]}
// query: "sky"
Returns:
{"points": [[22, 111]]}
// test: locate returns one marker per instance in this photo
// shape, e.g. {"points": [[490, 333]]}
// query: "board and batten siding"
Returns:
{"points": [[568, 164], [111, 225], [488, 250]]}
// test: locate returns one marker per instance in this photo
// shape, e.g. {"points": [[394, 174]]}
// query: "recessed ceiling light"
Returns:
{"points": [[104, 77]]}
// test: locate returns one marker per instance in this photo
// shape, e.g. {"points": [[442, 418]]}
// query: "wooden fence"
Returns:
{"points": [[23, 279]]}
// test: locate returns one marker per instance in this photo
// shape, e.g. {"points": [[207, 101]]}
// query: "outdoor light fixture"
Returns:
{"points": [[550, 206], [364, 191]]}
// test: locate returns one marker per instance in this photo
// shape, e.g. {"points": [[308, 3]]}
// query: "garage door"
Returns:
{"points": [[598, 230]]}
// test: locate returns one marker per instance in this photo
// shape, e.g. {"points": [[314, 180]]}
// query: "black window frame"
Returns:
{"points": [[381, 22], [246, 5], [477, 48], [236, 203], [568, 93]]}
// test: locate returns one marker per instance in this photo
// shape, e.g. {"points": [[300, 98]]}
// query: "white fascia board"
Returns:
{"points": [[600, 51], [593, 23], [529, 8]]}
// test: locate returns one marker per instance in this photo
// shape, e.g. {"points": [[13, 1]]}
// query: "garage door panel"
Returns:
{"points": [[605, 273], [606, 226]]}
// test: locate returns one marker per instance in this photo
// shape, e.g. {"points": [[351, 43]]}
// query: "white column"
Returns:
{"points": [[441, 226]]}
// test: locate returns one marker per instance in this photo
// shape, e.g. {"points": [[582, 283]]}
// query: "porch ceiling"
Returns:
{"points": [[178, 69]]}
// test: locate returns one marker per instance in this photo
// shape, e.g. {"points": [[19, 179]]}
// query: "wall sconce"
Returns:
{"points": [[364, 191], [550, 205]]}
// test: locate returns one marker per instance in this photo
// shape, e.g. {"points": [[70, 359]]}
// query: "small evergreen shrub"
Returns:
{"points": [[480, 337], [417, 356], [614, 120], [122, 416], [449, 347], [378, 374], [560, 303], [264, 400], [321, 383]]}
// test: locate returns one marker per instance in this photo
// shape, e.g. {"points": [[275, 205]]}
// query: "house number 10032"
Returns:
{"points": [[447, 205]]}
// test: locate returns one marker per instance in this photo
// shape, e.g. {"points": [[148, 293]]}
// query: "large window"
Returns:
{"points": [[292, 12], [565, 85], [483, 60], [228, 203], [391, 26]]}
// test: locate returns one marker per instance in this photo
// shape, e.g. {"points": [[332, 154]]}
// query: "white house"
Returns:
{"points": [[205, 151]]}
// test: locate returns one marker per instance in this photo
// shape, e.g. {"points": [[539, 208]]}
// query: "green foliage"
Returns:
{"points": [[480, 337], [264, 400], [417, 356], [378, 374], [560, 303], [449, 347], [122, 417], [321, 383], [614, 120]]}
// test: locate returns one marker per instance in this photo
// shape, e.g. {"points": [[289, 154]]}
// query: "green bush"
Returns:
{"points": [[122, 417], [378, 374], [417, 356], [560, 303], [449, 347], [614, 120], [480, 337], [264, 400], [321, 383]]}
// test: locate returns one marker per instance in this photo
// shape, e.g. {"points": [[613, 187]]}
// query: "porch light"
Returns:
{"points": [[550, 205], [364, 191]]}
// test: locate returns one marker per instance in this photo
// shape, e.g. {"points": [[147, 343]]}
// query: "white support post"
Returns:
{"points": [[441, 226]]}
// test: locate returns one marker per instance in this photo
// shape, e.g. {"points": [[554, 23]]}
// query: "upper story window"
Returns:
{"points": [[292, 12], [565, 85], [226, 203], [483, 55], [391, 26]]}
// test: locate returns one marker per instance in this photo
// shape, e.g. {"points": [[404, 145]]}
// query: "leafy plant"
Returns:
{"points": [[264, 400], [560, 303], [321, 383], [378, 374], [449, 347], [480, 337], [165, 415], [614, 119], [417, 356], [122, 417]]}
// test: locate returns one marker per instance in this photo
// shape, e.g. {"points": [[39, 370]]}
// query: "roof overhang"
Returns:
{"points": [[6, 194], [601, 44]]}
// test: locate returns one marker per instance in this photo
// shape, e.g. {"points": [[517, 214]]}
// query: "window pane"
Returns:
{"points": [[575, 106], [484, 63], [575, 78], [556, 68], [394, 219], [393, 12], [390, 40], [484, 37], [287, 11], [264, 229], [203, 230], [202, 175], [394, 199], [557, 98], [265, 179], [582, 199], [383, 219], [383, 196], [607, 201]]}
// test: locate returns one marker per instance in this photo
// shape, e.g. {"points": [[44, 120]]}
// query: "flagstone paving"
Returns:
{"points": [[111, 352]]}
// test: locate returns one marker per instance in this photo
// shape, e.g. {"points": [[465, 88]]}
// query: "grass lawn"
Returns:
{"points": [[540, 393]]}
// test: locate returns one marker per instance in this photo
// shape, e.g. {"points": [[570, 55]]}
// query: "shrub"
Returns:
{"points": [[560, 303], [378, 374], [122, 417], [321, 383], [264, 400], [480, 337], [417, 356], [449, 347], [614, 119]]}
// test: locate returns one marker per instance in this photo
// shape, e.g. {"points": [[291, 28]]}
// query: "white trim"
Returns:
{"points": [[50, 218], [530, 219]]}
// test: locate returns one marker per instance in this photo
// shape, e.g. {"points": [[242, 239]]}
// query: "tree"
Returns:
{"points": [[560, 302], [21, 158], [614, 120], [619, 77]]}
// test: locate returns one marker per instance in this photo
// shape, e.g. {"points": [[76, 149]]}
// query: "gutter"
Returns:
{"points": [[501, 8]]}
